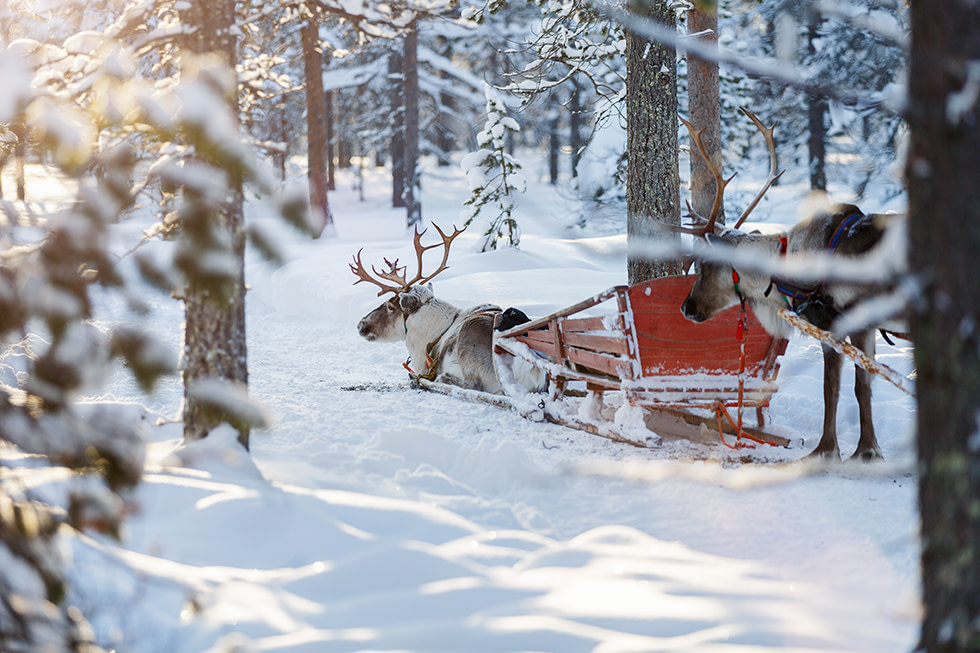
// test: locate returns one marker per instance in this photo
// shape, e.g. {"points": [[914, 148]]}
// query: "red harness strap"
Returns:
{"points": [[430, 362], [741, 332]]}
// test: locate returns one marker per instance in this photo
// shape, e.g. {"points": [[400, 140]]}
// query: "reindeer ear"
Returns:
{"points": [[715, 239]]}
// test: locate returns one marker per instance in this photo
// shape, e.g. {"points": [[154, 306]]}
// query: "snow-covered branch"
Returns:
{"points": [[776, 71]]}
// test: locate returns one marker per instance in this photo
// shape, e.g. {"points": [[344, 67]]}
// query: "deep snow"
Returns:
{"points": [[388, 518]]}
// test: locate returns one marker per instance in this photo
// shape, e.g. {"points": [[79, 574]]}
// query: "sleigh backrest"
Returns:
{"points": [[671, 345]]}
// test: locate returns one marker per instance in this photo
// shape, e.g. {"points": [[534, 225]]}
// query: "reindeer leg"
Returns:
{"points": [[867, 449], [827, 447]]}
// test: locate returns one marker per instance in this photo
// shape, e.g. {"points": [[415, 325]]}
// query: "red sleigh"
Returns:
{"points": [[645, 350]]}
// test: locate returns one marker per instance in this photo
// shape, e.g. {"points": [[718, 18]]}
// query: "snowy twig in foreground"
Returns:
{"points": [[883, 264]]}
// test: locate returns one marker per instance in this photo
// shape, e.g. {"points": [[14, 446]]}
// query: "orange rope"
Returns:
{"points": [[720, 408]]}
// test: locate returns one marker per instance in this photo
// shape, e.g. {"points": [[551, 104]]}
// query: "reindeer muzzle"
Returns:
{"points": [[365, 331], [691, 311]]}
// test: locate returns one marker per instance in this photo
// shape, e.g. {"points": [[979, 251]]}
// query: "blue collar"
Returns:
{"points": [[845, 226]]}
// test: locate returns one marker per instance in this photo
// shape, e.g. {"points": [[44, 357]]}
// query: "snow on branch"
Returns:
{"points": [[574, 40], [880, 23], [776, 71], [386, 19], [882, 265], [962, 104]]}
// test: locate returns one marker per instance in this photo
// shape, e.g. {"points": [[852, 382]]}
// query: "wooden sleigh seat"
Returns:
{"points": [[646, 349]]}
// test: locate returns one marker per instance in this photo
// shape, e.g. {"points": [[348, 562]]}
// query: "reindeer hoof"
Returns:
{"points": [[867, 456], [828, 454]]}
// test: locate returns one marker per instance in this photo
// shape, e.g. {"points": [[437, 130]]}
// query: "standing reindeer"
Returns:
{"points": [[445, 343], [842, 230]]}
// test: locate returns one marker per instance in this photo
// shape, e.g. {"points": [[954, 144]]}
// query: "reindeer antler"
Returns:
{"points": [[773, 175], [357, 267], [446, 243], [397, 274], [708, 224], [721, 183]]}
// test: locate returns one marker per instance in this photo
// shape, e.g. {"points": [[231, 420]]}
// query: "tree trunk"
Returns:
{"points": [[328, 109], [944, 214], [652, 188], [446, 137], [554, 143], [214, 327], [413, 207], [816, 110], [316, 124], [283, 127], [396, 79], [20, 157], [704, 108], [575, 125]]}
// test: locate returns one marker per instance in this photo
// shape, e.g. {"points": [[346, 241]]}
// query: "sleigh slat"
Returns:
{"points": [[611, 343], [545, 347], [571, 325], [681, 391], [604, 363], [541, 335]]}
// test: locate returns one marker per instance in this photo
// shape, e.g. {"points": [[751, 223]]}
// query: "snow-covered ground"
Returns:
{"points": [[390, 519]]}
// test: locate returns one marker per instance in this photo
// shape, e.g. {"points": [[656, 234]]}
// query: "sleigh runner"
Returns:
{"points": [[646, 352]]}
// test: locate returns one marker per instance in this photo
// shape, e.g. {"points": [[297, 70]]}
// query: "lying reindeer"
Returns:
{"points": [[841, 230], [445, 343]]}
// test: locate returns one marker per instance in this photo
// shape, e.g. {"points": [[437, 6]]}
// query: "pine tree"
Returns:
{"points": [[51, 354], [493, 175]]}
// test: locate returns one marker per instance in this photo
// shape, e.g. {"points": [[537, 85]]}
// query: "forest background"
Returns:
{"points": [[173, 104]]}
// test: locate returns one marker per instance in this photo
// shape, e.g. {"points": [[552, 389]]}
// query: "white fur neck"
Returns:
{"points": [[426, 323], [755, 285]]}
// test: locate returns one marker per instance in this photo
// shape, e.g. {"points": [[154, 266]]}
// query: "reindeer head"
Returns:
{"points": [[388, 321], [714, 289]]}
